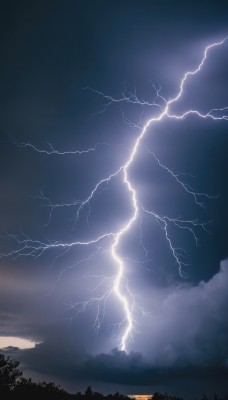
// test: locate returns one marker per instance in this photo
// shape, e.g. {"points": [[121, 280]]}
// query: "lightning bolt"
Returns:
{"points": [[52, 151], [119, 283]]}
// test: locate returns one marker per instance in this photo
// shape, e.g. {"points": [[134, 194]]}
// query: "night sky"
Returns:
{"points": [[60, 60]]}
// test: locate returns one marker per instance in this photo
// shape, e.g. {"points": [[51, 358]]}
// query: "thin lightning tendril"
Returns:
{"points": [[119, 283], [53, 151]]}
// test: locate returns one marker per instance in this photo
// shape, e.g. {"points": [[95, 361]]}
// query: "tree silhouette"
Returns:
{"points": [[9, 374], [88, 393], [27, 389], [165, 396]]}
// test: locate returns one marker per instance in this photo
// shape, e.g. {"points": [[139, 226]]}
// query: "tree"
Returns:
{"points": [[165, 396], [28, 389], [9, 374], [88, 393]]}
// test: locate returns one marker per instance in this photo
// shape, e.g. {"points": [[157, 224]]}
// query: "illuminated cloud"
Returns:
{"points": [[21, 343]]}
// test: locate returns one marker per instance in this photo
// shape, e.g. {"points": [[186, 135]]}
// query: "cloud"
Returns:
{"points": [[187, 336], [189, 325]]}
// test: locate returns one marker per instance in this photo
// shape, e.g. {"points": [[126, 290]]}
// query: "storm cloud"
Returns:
{"points": [[185, 338]]}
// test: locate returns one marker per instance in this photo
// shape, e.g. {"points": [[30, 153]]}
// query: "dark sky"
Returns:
{"points": [[55, 58]]}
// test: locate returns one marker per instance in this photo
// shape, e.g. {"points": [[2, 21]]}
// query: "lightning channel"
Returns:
{"points": [[133, 195], [119, 283]]}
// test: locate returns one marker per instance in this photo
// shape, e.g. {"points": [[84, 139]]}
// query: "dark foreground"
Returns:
{"points": [[14, 386]]}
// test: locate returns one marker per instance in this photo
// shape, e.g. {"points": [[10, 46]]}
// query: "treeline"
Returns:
{"points": [[166, 396], [14, 386]]}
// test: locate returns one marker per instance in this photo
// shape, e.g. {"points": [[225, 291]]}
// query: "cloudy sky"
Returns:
{"points": [[79, 82]]}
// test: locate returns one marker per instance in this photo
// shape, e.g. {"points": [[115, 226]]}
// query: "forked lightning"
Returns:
{"points": [[119, 285]]}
